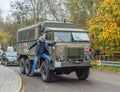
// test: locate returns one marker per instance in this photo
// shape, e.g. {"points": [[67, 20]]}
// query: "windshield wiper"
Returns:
{"points": [[60, 39], [77, 37]]}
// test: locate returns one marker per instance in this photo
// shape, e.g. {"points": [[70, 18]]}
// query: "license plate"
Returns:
{"points": [[95, 63]]}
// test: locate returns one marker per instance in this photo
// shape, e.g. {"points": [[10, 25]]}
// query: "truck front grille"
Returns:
{"points": [[75, 54]]}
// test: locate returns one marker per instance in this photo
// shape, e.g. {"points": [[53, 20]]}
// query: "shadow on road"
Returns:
{"points": [[13, 65], [64, 79], [68, 79]]}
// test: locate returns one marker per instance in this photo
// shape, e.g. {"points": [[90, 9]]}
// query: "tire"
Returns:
{"points": [[6, 62], [82, 74], [22, 65], [28, 66], [2, 62], [45, 74]]}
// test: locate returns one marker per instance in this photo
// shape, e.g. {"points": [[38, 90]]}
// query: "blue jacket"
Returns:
{"points": [[41, 47]]}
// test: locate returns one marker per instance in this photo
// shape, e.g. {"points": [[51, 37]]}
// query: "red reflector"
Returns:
{"points": [[90, 49]]}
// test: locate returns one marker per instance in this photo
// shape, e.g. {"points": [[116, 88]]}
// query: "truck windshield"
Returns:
{"points": [[70, 36]]}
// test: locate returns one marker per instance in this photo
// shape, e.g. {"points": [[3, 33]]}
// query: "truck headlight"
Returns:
{"points": [[62, 58]]}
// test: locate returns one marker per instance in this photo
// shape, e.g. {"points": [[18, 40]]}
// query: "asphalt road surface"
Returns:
{"points": [[97, 82]]}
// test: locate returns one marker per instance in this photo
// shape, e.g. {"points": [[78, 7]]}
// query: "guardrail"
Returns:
{"points": [[110, 63]]}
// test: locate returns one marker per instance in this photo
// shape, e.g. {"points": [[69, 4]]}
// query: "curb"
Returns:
{"points": [[20, 80]]}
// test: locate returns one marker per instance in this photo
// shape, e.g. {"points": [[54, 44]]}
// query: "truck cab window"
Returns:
{"points": [[77, 36], [62, 36]]}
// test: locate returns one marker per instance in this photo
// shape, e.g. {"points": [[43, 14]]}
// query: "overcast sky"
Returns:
{"points": [[5, 6]]}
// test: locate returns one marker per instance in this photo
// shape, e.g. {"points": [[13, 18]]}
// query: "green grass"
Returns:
{"points": [[108, 68]]}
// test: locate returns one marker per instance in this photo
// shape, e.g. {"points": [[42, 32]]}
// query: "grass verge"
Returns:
{"points": [[115, 69]]}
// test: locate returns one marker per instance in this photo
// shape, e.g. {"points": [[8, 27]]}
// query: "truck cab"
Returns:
{"points": [[72, 47]]}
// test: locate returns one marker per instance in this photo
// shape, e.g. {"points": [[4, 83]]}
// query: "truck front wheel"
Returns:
{"points": [[83, 73], [22, 65], [45, 73]]}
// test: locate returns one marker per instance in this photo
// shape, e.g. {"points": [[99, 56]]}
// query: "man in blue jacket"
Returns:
{"points": [[40, 52]]}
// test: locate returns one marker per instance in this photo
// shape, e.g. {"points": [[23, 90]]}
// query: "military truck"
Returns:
{"points": [[69, 54]]}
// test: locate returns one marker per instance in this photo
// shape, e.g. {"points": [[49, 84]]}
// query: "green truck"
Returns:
{"points": [[70, 54]]}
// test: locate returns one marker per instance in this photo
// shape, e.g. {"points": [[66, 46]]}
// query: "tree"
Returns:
{"points": [[56, 9], [4, 37], [11, 27], [80, 11], [104, 27], [33, 11], [8, 31], [27, 10], [1, 19]]}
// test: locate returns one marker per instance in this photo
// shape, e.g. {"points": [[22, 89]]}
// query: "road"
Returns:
{"points": [[97, 82]]}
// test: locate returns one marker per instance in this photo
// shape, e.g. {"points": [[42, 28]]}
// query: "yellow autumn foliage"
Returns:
{"points": [[104, 27], [4, 37]]}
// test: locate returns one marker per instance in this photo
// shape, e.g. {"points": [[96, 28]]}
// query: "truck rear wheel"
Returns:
{"points": [[82, 74], [45, 73], [22, 65], [28, 66]]}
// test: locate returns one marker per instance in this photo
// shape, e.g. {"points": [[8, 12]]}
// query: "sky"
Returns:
{"points": [[5, 7]]}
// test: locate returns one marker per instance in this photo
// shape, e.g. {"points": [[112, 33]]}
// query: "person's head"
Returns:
{"points": [[41, 39]]}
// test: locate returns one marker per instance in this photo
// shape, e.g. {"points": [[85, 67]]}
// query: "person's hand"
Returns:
{"points": [[56, 39], [27, 51]]}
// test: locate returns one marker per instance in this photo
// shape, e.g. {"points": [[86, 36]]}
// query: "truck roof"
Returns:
{"points": [[56, 24], [64, 29], [32, 26]]}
